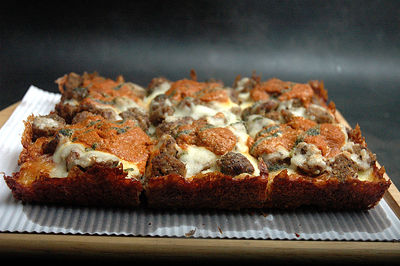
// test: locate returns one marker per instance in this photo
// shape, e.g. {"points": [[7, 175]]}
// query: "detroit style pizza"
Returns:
{"points": [[190, 144]]}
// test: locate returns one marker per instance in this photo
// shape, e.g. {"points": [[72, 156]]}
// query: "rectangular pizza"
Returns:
{"points": [[186, 144]]}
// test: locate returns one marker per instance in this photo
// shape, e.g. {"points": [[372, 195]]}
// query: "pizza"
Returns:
{"points": [[189, 144]]}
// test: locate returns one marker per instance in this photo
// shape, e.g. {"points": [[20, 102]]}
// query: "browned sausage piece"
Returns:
{"points": [[141, 118], [234, 164], [159, 109], [343, 167], [46, 125]]}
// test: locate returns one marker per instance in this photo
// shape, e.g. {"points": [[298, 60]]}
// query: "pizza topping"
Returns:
{"points": [[273, 86], [98, 95], [217, 140], [157, 86], [272, 137], [160, 108], [255, 123], [125, 141], [205, 91], [166, 161], [363, 157], [298, 91], [234, 164], [319, 114], [281, 123], [260, 108], [137, 115], [209, 110], [343, 167], [302, 123], [308, 158], [333, 138], [281, 157], [213, 94], [245, 85], [291, 108], [197, 160], [46, 125]]}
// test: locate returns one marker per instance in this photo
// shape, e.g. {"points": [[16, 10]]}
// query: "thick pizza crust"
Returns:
{"points": [[98, 185], [206, 191]]}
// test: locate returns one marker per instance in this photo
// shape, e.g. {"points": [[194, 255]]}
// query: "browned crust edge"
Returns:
{"points": [[288, 192], [208, 191], [96, 186]]}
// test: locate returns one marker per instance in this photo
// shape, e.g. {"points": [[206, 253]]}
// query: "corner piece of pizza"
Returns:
{"points": [[188, 144], [91, 156]]}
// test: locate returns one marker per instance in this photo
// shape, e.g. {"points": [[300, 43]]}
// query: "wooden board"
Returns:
{"points": [[128, 247]]}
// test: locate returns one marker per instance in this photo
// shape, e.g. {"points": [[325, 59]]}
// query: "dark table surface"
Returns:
{"points": [[353, 46]]}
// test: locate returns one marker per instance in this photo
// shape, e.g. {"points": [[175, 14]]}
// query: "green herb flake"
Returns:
{"points": [[92, 148], [119, 86], [298, 140], [313, 131], [121, 130], [207, 126], [66, 132], [276, 167], [184, 132], [92, 123]]}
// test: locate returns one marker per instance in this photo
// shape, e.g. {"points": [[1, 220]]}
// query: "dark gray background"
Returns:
{"points": [[353, 46]]}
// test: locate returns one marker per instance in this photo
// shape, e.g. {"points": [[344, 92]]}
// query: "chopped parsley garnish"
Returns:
{"points": [[66, 132], [121, 130], [92, 123], [276, 167], [112, 102], [207, 126], [269, 130], [298, 140], [119, 86], [92, 148], [183, 132], [313, 131]]}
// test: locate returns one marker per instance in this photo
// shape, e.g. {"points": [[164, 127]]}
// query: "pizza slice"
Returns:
{"points": [[201, 159], [92, 161], [312, 159], [112, 99]]}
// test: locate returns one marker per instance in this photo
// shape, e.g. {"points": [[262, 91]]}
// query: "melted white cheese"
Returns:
{"points": [[197, 111], [85, 158], [239, 130], [42, 122], [255, 123], [279, 155], [311, 161], [122, 104], [71, 102], [366, 175], [197, 160], [296, 111], [160, 89]]}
